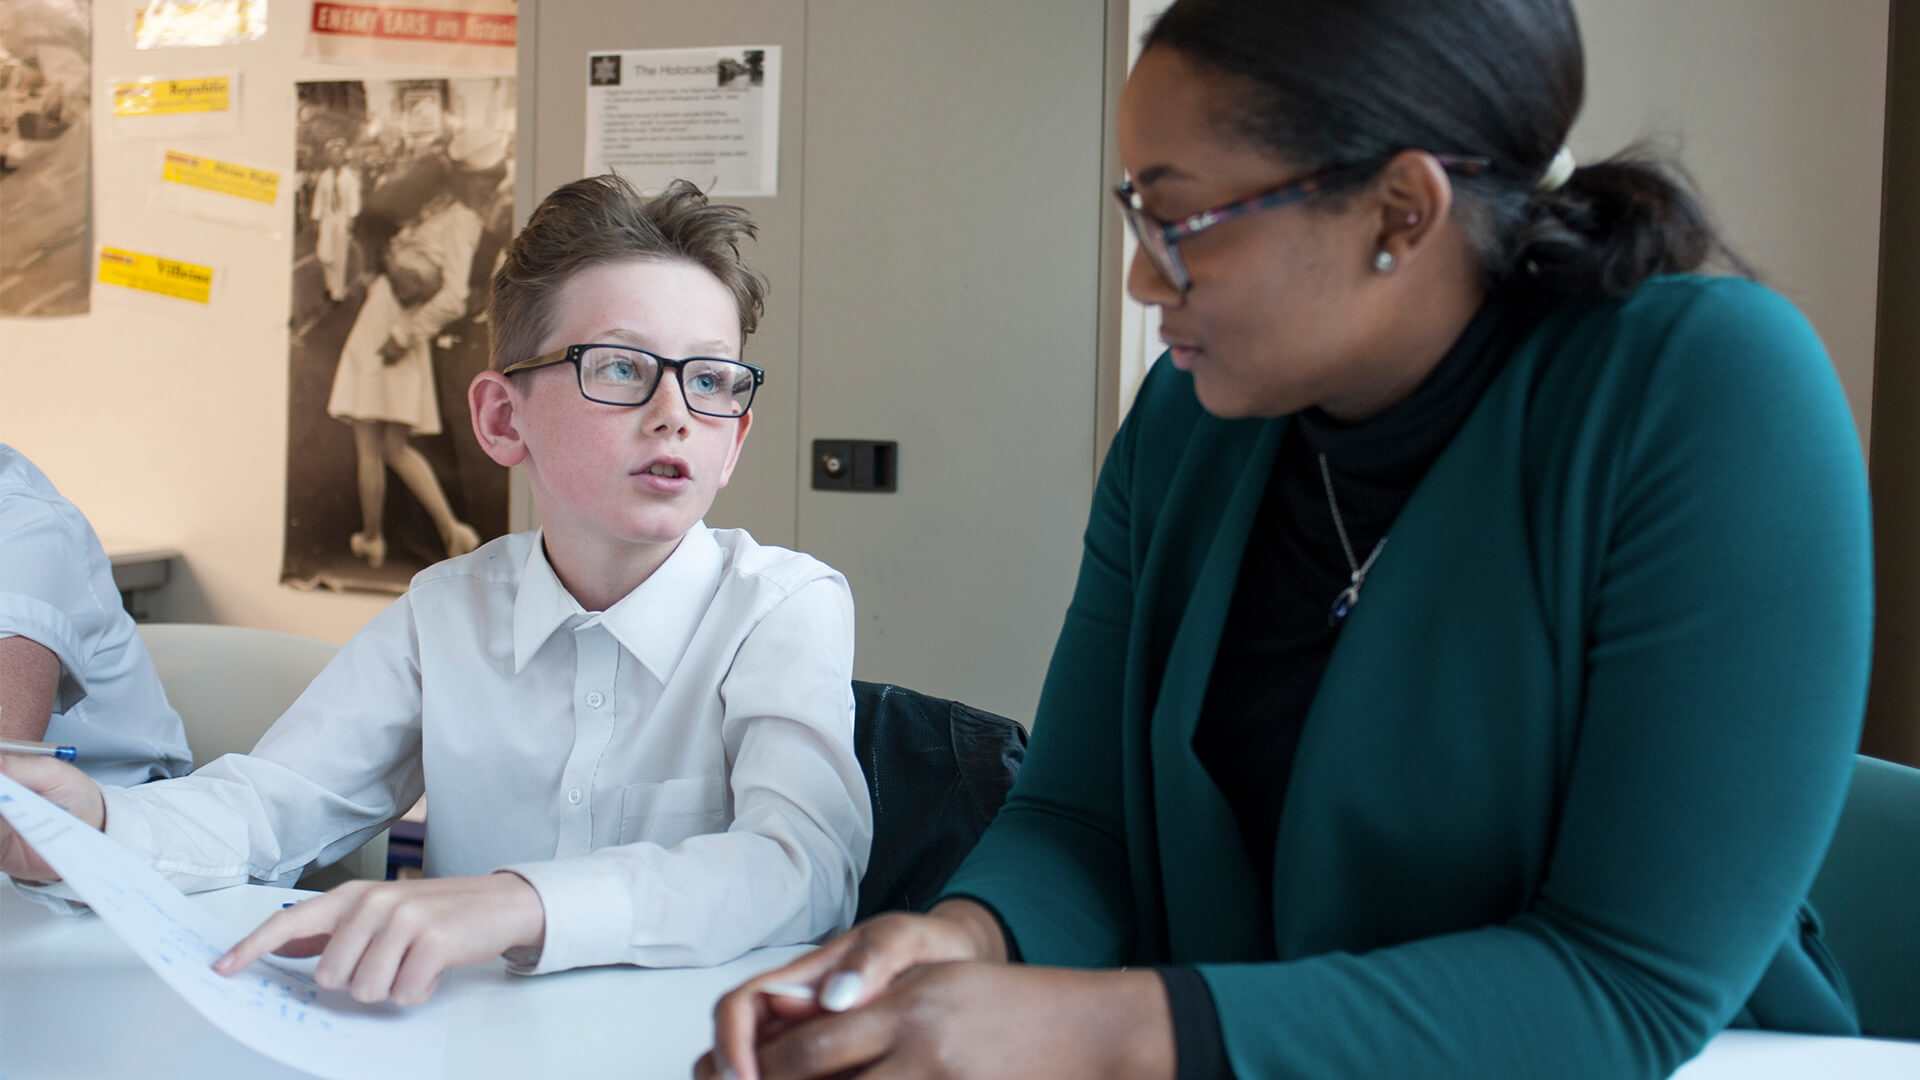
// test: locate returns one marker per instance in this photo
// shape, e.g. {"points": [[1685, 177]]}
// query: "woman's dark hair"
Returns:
{"points": [[1340, 82]]}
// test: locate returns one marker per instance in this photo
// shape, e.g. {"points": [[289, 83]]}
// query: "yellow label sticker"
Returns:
{"points": [[221, 177], [150, 273], [173, 97]]}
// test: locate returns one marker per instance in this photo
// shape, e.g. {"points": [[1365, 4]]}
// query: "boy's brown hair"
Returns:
{"points": [[604, 219]]}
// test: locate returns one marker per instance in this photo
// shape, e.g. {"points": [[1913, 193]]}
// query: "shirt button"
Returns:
{"points": [[596, 699], [574, 796]]}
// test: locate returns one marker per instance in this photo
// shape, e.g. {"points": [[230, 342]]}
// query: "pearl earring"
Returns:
{"points": [[1384, 262]]}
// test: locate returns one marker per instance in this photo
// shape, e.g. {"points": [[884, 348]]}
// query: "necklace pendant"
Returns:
{"points": [[1344, 604]]}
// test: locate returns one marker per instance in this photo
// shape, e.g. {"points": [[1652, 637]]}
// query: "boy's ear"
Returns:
{"points": [[495, 403], [739, 443]]}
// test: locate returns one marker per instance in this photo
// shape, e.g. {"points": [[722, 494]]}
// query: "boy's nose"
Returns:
{"points": [[668, 410]]}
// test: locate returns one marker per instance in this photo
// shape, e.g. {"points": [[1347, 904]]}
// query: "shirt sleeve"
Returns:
{"points": [[335, 769], [1728, 643], [787, 871], [45, 592]]}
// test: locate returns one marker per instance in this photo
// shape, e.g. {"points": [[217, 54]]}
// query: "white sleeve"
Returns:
{"points": [[46, 594], [787, 871], [339, 766]]}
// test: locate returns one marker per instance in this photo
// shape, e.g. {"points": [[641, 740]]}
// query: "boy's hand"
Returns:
{"points": [[391, 940], [60, 784]]}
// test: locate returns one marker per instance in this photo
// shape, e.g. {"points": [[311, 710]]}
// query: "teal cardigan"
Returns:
{"points": [[1574, 762]]}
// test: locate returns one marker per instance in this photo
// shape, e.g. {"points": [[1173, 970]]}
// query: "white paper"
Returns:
{"points": [[281, 1014], [711, 116]]}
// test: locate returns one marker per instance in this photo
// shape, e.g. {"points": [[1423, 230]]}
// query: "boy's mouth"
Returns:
{"points": [[667, 474]]}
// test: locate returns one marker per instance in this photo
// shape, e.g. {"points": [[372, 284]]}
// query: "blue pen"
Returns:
{"points": [[38, 749]]}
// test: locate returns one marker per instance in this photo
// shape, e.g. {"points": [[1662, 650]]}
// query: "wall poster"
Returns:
{"points": [[46, 85], [402, 206]]}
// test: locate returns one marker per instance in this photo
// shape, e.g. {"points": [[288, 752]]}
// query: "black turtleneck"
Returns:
{"points": [[1279, 637]]}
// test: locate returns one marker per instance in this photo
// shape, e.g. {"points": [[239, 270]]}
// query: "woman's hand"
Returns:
{"points": [[979, 1020], [845, 972], [60, 784], [391, 940]]}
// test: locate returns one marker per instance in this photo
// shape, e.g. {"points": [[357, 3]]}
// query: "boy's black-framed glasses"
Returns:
{"points": [[627, 376], [1161, 239]]}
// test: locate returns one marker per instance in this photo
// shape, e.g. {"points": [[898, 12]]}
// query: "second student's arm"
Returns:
{"points": [[787, 870]]}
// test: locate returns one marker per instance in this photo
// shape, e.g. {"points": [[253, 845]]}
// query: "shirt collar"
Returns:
{"points": [[655, 622]]}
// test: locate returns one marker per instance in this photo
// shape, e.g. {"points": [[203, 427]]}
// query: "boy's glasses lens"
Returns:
{"points": [[618, 376], [628, 377]]}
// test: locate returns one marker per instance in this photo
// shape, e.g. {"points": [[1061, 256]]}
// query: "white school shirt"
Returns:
{"points": [[675, 776], [57, 590]]}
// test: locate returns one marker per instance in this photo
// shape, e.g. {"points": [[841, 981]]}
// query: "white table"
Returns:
{"points": [[75, 1002]]}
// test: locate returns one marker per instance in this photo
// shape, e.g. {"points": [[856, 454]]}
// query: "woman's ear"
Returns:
{"points": [[496, 405], [1415, 196]]}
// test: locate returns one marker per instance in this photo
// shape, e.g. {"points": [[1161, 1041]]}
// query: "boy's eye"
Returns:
{"points": [[618, 369], [704, 382]]}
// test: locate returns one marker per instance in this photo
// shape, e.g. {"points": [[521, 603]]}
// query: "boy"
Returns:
{"points": [[72, 667], [636, 732]]}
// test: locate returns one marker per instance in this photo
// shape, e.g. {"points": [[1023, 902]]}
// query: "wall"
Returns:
{"points": [[163, 421], [180, 435], [1778, 108], [1893, 717]]}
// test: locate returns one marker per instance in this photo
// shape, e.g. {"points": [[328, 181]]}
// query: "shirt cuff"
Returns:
{"points": [[1199, 1046], [589, 915], [127, 822]]}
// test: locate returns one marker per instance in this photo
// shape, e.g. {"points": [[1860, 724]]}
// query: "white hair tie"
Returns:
{"points": [[1559, 171]]}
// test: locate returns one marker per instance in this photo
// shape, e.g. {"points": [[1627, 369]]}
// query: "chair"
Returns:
{"points": [[1866, 892], [937, 772], [229, 684]]}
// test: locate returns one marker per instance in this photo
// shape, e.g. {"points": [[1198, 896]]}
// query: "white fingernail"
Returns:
{"points": [[841, 992]]}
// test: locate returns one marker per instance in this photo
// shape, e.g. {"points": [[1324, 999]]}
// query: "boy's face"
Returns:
{"points": [[590, 463]]}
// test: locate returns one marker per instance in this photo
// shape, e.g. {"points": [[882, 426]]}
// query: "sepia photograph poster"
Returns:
{"points": [[45, 155], [402, 208]]}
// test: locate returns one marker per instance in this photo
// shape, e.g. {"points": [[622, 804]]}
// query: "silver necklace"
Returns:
{"points": [[1349, 597]]}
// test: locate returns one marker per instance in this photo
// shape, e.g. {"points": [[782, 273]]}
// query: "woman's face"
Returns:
{"points": [[1282, 310]]}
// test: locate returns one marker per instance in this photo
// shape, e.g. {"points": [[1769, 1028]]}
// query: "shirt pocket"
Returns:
{"points": [[666, 812]]}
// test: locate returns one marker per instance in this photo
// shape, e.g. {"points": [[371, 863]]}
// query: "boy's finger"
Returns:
{"points": [[312, 919], [351, 935], [301, 948], [374, 976]]}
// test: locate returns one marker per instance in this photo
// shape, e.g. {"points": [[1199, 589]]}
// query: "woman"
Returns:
{"points": [[1472, 636]]}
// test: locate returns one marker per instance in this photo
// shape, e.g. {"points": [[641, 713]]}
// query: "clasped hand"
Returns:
{"points": [[931, 995]]}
